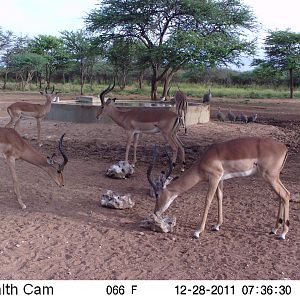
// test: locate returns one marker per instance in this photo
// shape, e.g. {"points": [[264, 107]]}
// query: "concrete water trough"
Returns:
{"points": [[84, 111]]}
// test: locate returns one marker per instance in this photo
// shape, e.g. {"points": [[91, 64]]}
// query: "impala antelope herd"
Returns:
{"points": [[234, 158]]}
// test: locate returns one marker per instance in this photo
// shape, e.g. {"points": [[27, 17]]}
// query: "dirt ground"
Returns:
{"points": [[65, 234]]}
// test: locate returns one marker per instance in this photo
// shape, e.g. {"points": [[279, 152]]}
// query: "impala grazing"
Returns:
{"points": [[181, 107], [235, 158], [19, 110], [13, 146], [139, 120]]}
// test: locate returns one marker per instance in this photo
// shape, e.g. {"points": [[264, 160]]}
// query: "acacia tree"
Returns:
{"points": [[17, 45], [82, 49], [121, 55], [51, 48], [6, 41], [282, 49], [25, 65], [175, 32]]}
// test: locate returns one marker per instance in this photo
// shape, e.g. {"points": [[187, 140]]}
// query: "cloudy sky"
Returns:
{"points": [[33, 17]]}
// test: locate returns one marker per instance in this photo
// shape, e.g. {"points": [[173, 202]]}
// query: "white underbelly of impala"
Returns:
{"points": [[239, 168], [152, 130]]}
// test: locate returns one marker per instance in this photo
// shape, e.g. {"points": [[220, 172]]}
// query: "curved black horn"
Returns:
{"points": [[61, 150], [149, 171], [52, 90], [46, 89], [106, 91]]}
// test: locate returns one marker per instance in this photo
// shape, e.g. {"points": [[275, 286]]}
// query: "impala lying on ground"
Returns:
{"points": [[234, 158], [13, 146], [19, 110], [144, 120]]}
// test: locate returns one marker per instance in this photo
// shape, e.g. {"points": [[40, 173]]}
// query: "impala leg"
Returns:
{"points": [[213, 185], [128, 145], [38, 123], [220, 206], [135, 142], [181, 148], [279, 219], [174, 147], [13, 122], [17, 123], [11, 165], [283, 210], [184, 114]]}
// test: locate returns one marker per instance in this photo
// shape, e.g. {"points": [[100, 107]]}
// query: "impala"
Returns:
{"points": [[181, 107], [235, 158], [19, 110], [13, 146], [139, 120]]}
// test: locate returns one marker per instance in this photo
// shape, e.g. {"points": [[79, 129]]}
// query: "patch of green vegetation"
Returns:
{"points": [[192, 90]]}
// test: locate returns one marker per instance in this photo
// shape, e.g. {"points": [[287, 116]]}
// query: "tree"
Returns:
{"points": [[82, 49], [17, 45], [121, 55], [282, 49], [175, 33], [26, 64], [51, 48], [6, 39]]}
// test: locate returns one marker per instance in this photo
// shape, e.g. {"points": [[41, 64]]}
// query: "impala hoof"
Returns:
{"points": [[196, 236], [281, 238], [215, 228]]}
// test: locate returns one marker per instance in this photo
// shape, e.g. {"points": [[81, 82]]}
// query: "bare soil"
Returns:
{"points": [[65, 234]]}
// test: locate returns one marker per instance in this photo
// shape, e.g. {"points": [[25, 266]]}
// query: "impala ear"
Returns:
{"points": [[51, 160], [109, 100]]}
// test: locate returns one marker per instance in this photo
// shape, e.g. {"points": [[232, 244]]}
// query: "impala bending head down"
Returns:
{"points": [[235, 158], [13, 147]]}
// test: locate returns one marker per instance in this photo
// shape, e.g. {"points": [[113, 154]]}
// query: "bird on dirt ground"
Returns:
{"points": [[220, 115], [231, 115], [244, 118], [252, 118], [207, 97]]}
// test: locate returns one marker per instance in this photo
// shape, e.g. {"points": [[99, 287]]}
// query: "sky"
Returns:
{"points": [[34, 17], [276, 14]]}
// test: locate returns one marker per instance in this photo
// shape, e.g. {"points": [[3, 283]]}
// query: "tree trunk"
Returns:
{"points": [[153, 88], [154, 84], [167, 81], [291, 83], [141, 79], [47, 75], [81, 78], [5, 80], [123, 81]]}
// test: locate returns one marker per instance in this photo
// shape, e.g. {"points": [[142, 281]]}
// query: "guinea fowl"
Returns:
{"points": [[207, 97], [244, 118], [252, 118], [231, 115], [220, 115]]}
